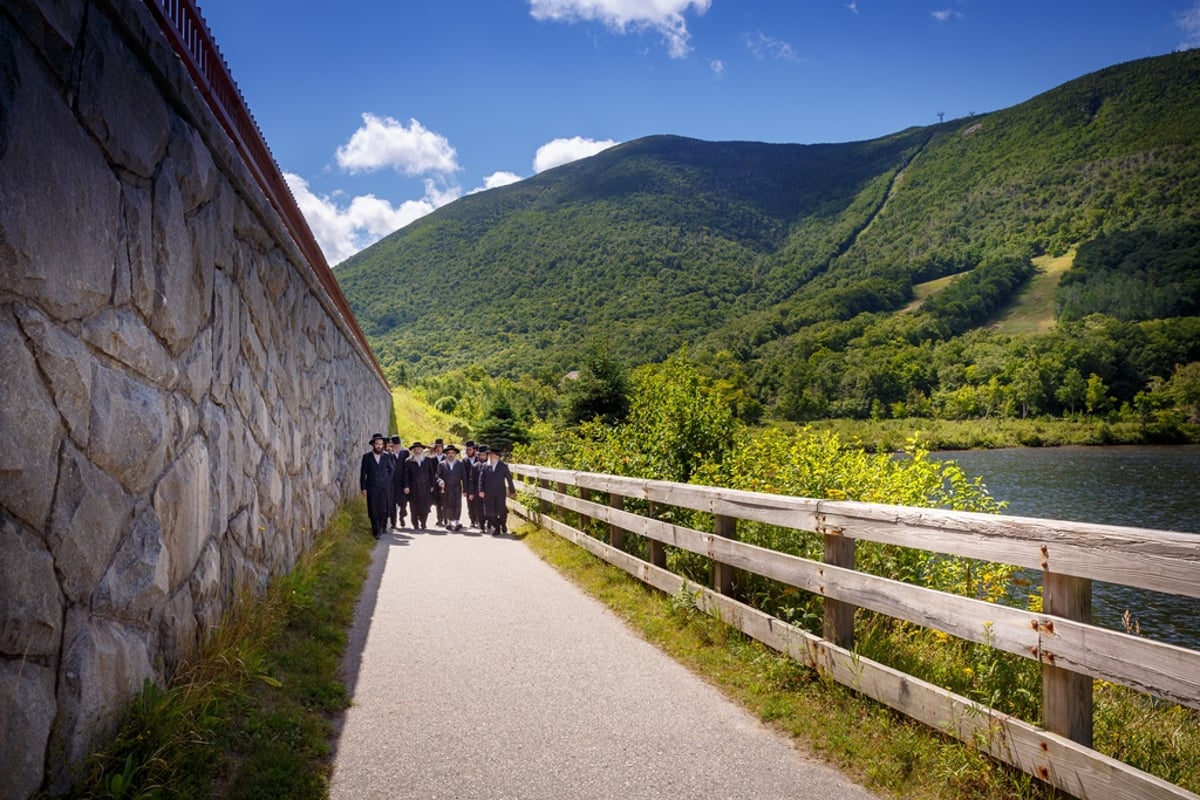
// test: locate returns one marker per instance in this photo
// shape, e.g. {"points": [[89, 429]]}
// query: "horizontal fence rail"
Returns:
{"points": [[1072, 652], [186, 30]]}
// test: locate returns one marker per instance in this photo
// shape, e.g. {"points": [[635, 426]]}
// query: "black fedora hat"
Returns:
{"points": [[375, 436]]}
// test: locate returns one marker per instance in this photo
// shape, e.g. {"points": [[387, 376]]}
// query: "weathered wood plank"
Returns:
{"points": [[1066, 694], [726, 528], [1164, 561], [838, 622], [1067, 765]]}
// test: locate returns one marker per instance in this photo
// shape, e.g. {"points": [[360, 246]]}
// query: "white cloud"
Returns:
{"points": [[342, 231], [767, 47], [385, 142], [563, 151], [497, 179], [664, 16], [717, 66], [1189, 22], [853, 7], [946, 14]]}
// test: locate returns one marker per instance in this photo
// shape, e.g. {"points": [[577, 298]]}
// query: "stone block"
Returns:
{"points": [[137, 582], [67, 365], [53, 27], [121, 334], [135, 264], [177, 629], [128, 429], [276, 270], [31, 605], [30, 430], [208, 599], [181, 501], [91, 512], [176, 296], [119, 102], [215, 428], [226, 335], [248, 228], [58, 239], [185, 422], [197, 367], [27, 697], [191, 166], [104, 664]]}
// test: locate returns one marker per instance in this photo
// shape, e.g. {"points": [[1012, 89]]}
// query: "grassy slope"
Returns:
{"points": [[417, 421], [1032, 311]]}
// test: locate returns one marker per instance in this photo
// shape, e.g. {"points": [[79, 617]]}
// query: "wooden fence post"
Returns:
{"points": [[563, 515], [1066, 695], [838, 623], [616, 536], [658, 551], [543, 503], [723, 573]]}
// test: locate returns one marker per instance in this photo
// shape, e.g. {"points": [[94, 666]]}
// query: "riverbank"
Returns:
{"points": [[890, 435]]}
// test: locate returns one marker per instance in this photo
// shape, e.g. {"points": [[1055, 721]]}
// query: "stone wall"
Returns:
{"points": [[181, 405]]}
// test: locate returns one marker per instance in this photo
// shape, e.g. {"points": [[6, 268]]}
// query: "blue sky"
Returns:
{"points": [[380, 112]]}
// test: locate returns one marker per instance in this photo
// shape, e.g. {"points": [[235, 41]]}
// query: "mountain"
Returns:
{"points": [[738, 246]]}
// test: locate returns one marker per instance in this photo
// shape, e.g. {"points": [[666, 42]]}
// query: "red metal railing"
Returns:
{"points": [[188, 34]]}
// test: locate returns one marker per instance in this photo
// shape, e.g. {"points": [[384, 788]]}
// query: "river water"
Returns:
{"points": [[1143, 487]]}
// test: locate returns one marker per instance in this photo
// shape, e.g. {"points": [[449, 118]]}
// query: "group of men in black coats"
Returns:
{"points": [[397, 481]]}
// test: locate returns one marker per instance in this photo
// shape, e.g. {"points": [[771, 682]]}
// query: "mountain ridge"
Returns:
{"points": [[666, 241]]}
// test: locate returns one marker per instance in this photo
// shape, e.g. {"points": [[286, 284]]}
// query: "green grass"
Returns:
{"points": [[249, 717], [923, 291], [418, 422], [1033, 309]]}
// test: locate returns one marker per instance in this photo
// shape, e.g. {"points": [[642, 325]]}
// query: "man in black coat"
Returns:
{"points": [[493, 478], [470, 466], [451, 476], [418, 484], [399, 505], [375, 483]]}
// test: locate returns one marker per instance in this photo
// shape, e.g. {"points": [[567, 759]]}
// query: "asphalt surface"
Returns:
{"points": [[477, 671]]}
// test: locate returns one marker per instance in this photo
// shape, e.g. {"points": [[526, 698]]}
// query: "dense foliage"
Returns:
{"points": [[787, 272]]}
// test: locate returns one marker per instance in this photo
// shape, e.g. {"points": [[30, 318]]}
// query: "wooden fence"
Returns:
{"points": [[1069, 555]]}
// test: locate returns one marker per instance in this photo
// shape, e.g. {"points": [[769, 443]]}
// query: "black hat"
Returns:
{"points": [[483, 448], [395, 440], [415, 445], [469, 443], [436, 442], [375, 436], [450, 449]]}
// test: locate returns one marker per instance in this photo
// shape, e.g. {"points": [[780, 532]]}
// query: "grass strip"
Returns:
{"points": [[251, 715], [879, 748]]}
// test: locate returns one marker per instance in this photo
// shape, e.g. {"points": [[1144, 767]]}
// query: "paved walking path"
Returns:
{"points": [[477, 671]]}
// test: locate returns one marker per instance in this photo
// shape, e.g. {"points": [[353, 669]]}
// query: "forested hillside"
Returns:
{"points": [[785, 268]]}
